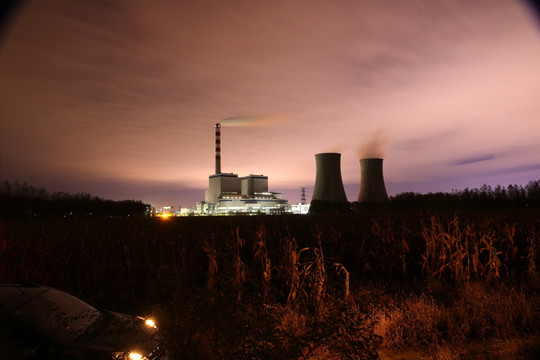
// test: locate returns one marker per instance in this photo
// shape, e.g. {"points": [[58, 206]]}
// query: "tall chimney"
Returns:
{"points": [[218, 148], [328, 183], [372, 189]]}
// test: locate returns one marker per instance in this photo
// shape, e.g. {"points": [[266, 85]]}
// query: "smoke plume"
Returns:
{"points": [[252, 120], [374, 148]]}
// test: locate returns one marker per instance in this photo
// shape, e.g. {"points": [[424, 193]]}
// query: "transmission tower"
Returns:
{"points": [[303, 195]]}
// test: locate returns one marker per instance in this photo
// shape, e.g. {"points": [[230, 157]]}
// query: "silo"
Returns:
{"points": [[372, 188], [328, 193]]}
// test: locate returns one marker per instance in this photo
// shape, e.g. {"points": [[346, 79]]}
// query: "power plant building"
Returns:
{"points": [[228, 194], [221, 185]]}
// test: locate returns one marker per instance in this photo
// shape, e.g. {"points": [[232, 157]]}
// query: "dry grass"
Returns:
{"points": [[473, 312], [300, 287]]}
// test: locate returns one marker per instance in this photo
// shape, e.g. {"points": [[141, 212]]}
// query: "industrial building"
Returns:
{"points": [[229, 194]]}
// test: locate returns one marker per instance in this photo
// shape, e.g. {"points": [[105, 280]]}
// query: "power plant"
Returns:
{"points": [[372, 189], [228, 194]]}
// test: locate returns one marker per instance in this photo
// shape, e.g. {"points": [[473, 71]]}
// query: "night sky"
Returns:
{"points": [[119, 98]]}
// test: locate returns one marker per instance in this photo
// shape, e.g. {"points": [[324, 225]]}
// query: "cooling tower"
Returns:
{"points": [[328, 183], [372, 189]]}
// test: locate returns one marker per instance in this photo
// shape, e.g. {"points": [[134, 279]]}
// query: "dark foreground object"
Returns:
{"points": [[38, 322]]}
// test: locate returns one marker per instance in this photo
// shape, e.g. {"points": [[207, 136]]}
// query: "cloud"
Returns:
{"points": [[515, 170], [475, 159]]}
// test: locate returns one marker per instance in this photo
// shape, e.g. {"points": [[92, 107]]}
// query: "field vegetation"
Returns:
{"points": [[407, 280]]}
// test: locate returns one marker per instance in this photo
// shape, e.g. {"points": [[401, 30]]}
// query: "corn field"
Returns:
{"points": [[288, 287]]}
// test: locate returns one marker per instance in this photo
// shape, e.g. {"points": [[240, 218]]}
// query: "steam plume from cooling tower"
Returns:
{"points": [[374, 148]]}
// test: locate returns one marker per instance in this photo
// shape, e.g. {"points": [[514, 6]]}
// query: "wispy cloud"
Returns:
{"points": [[475, 159]]}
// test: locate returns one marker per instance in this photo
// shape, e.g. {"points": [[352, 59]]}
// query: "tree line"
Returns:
{"points": [[485, 197], [22, 200]]}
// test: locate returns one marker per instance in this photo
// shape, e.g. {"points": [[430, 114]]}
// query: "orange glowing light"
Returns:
{"points": [[150, 322]]}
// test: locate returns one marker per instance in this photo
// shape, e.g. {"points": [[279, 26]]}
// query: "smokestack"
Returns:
{"points": [[328, 184], [218, 148], [372, 189]]}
